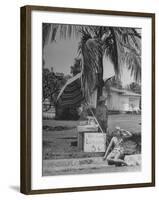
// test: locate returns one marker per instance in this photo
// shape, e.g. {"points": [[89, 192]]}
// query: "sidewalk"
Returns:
{"points": [[84, 166]]}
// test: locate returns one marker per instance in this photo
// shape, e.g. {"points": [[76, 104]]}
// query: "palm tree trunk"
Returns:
{"points": [[100, 78]]}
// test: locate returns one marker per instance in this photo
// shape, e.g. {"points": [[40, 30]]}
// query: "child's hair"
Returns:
{"points": [[117, 132]]}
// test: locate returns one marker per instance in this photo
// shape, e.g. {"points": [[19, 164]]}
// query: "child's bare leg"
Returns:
{"points": [[118, 160], [110, 159]]}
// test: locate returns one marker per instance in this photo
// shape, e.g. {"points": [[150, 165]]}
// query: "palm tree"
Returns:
{"points": [[121, 45]]}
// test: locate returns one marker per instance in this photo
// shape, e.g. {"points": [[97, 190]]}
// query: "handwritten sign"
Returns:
{"points": [[94, 142]]}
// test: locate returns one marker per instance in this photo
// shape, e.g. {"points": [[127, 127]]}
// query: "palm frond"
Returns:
{"points": [[129, 40], [122, 45], [90, 50], [64, 31], [132, 51], [113, 50], [134, 65], [46, 29]]}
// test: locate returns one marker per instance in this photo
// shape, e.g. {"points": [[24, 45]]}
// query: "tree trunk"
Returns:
{"points": [[100, 78]]}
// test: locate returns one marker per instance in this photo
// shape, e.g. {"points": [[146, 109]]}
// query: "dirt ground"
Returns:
{"points": [[60, 137]]}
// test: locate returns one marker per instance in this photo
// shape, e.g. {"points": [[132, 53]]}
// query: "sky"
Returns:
{"points": [[60, 55]]}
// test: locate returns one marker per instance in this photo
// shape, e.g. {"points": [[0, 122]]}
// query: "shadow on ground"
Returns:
{"points": [[15, 188]]}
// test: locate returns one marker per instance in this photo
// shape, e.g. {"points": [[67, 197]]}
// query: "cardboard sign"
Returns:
{"points": [[94, 142]]}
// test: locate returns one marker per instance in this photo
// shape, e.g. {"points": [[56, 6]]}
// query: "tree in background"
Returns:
{"points": [[51, 85], [134, 87]]}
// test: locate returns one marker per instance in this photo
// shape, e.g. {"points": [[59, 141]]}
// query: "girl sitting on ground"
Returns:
{"points": [[116, 156]]}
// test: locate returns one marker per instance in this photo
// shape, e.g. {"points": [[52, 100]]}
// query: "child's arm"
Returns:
{"points": [[126, 134], [108, 149]]}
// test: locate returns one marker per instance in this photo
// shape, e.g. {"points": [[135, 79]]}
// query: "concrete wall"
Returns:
{"points": [[134, 103], [118, 102]]}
